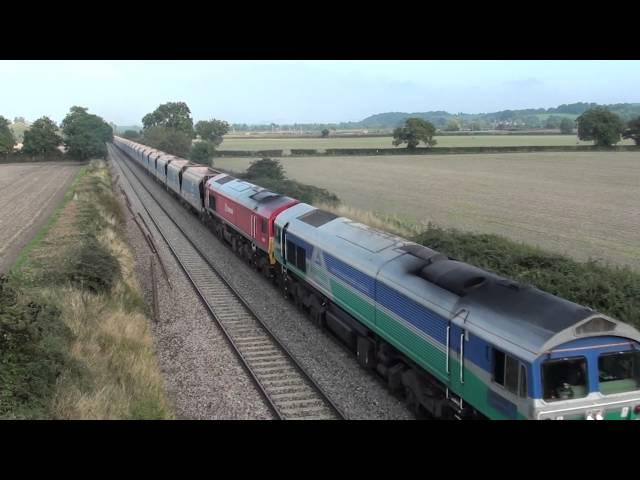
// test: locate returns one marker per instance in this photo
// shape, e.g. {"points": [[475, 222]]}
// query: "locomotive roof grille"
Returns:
{"points": [[265, 196], [456, 277], [317, 218], [423, 253], [224, 180]]}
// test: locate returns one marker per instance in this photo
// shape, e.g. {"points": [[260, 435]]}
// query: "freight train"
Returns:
{"points": [[456, 341]]}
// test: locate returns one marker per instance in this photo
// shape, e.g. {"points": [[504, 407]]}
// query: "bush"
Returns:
{"points": [[202, 152], [614, 291], [268, 153], [33, 353], [303, 151], [94, 268], [236, 153], [265, 168]]}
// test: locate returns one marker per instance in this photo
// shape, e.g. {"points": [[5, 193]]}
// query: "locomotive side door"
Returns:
{"points": [[457, 337]]}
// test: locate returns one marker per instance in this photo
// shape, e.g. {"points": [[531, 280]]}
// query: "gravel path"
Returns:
{"points": [[358, 393], [203, 377]]}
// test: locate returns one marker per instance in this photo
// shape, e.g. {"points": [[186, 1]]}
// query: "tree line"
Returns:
{"points": [[170, 128], [598, 124], [530, 119], [83, 135]]}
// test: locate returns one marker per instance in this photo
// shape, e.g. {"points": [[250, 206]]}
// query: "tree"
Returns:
{"points": [[7, 140], [452, 126], [600, 125], [415, 130], [85, 134], [19, 120], [202, 152], [552, 122], [325, 133], [168, 140], [532, 121], [171, 115], [566, 125], [633, 130], [42, 138], [131, 134], [265, 168], [212, 131]]}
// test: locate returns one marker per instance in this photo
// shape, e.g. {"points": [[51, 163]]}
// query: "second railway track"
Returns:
{"points": [[290, 392]]}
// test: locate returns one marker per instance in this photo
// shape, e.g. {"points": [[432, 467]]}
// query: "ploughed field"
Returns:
{"points": [[237, 142], [583, 204], [29, 194]]}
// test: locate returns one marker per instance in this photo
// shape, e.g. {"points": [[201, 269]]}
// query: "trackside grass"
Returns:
{"points": [[75, 338]]}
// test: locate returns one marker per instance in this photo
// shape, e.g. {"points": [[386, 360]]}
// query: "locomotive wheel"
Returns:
{"points": [[299, 297], [316, 312], [411, 399]]}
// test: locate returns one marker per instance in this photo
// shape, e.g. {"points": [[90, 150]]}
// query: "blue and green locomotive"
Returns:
{"points": [[460, 341]]}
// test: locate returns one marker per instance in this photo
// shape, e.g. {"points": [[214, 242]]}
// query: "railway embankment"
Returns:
{"points": [[75, 339]]}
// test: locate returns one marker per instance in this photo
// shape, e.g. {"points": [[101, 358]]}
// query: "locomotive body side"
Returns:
{"points": [[482, 338], [246, 208]]}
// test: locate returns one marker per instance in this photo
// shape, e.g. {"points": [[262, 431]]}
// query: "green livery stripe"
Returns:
{"points": [[353, 303], [429, 355], [426, 354]]}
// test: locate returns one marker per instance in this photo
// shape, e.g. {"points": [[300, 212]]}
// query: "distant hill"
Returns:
{"points": [[531, 117], [382, 123]]}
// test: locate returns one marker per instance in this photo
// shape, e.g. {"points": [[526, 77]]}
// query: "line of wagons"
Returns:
{"points": [[460, 342]]}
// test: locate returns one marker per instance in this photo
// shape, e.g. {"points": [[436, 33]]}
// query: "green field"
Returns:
{"points": [[258, 143], [583, 204]]}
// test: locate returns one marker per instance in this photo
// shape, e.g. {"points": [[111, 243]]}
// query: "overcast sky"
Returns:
{"points": [[306, 91]]}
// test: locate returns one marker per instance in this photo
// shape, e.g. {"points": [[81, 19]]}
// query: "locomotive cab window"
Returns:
{"points": [[212, 202], [523, 381], [564, 379], [619, 372], [301, 260], [264, 225], [509, 373]]}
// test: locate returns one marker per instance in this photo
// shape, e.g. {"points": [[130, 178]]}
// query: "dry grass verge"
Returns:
{"points": [[98, 332]]}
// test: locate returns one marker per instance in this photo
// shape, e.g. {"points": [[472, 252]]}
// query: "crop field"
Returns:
{"points": [[585, 205], [262, 143], [28, 196]]}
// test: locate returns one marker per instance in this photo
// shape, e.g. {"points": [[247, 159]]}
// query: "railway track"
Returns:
{"points": [[290, 392]]}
